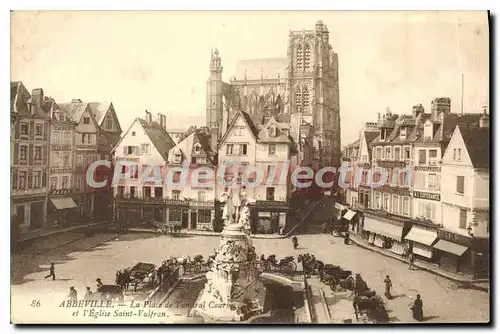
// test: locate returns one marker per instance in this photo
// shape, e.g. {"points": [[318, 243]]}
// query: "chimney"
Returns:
{"points": [[440, 105], [76, 101], [37, 97], [148, 118], [164, 122], [159, 119], [484, 121], [417, 110]]}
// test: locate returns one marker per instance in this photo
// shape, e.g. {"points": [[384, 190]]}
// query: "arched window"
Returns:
{"points": [[299, 59], [298, 99], [305, 99], [307, 57], [197, 148]]}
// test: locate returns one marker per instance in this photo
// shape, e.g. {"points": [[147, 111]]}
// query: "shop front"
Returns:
{"points": [[62, 211], [462, 254], [421, 240], [270, 217], [354, 221], [384, 234]]}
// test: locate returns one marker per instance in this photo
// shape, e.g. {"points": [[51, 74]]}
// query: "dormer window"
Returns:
{"points": [[382, 134], [428, 132], [272, 131], [403, 133], [197, 148], [177, 156]]}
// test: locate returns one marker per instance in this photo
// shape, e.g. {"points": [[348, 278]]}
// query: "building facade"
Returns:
{"points": [[61, 208], [304, 83], [145, 144], [190, 180], [97, 130], [464, 244], [269, 152], [30, 150]]}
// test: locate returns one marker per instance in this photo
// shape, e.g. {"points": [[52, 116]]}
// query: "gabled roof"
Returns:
{"points": [[158, 136], [74, 110], [451, 121], [247, 119], [477, 141], [281, 137], [186, 146], [19, 98], [99, 110]]}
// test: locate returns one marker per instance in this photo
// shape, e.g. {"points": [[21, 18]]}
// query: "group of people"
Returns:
{"points": [[73, 294], [416, 307]]}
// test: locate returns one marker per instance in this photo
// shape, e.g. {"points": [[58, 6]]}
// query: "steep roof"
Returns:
{"points": [[186, 145], [477, 141], [158, 136], [369, 137], [451, 121], [99, 110], [74, 110]]}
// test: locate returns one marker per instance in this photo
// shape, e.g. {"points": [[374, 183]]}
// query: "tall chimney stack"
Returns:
{"points": [[148, 117]]}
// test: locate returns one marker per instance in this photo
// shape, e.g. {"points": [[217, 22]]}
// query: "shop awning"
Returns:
{"points": [[62, 203], [450, 247], [421, 236], [349, 214], [387, 230]]}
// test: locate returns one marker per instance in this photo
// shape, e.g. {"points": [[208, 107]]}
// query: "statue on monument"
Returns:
{"points": [[216, 59]]}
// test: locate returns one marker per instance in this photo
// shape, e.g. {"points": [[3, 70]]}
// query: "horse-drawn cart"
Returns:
{"points": [[371, 306], [141, 271], [336, 277]]}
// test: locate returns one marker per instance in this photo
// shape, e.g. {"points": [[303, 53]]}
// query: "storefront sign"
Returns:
{"points": [[390, 164], [264, 214], [427, 169], [456, 238], [429, 196], [394, 190]]}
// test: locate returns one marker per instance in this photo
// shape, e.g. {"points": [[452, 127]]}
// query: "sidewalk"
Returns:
{"points": [[207, 233], [479, 284], [48, 231]]}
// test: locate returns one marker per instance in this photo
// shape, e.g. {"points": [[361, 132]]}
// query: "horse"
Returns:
{"points": [[310, 264]]}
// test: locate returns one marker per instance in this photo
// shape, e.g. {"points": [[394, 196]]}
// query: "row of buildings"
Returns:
{"points": [[435, 202], [272, 111], [52, 146]]}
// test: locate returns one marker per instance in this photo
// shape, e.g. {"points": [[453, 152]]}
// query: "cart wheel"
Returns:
{"points": [[333, 284], [349, 284]]}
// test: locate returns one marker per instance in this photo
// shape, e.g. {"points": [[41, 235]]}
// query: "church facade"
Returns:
{"points": [[301, 89]]}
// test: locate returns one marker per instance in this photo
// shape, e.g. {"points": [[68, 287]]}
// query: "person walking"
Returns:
{"points": [[388, 286], [99, 284], [411, 261], [72, 293], [88, 293], [52, 272], [417, 309]]}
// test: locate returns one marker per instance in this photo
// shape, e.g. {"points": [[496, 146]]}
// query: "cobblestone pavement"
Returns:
{"points": [[79, 261]]}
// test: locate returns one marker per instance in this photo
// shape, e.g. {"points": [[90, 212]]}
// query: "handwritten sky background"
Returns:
{"points": [[159, 60]]}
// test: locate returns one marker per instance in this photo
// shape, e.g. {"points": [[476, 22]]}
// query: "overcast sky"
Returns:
{"points": [[159, 60]]}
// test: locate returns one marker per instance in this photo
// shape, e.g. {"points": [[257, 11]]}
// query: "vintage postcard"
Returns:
{"points": [[250, 167]]}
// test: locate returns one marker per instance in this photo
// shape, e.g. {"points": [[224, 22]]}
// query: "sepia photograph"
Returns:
{"points": [[250, 167]]}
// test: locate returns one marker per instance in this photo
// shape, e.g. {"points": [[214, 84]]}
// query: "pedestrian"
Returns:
{"points": [[411, 260], [88, 293], [417, 309], [99, 284], [388, 286], [52, 272], [72, 293]]}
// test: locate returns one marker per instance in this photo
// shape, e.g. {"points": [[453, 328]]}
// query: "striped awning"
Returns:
{"points": [[387, 230], [450, 247], [62, 203], [421, 236]]}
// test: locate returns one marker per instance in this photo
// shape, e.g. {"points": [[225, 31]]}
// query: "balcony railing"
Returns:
{"points": [[168, 201], [28, 192], [60, 192]]}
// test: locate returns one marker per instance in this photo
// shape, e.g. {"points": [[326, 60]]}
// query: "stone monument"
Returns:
{"points": [[233, 291]]}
